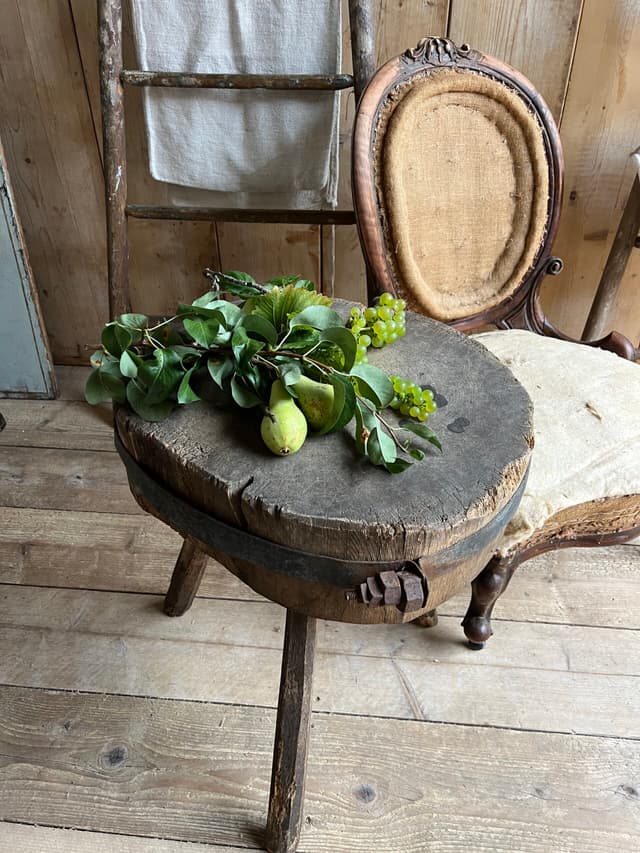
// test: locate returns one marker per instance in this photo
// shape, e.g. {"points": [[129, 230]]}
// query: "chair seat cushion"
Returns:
{"points": [[586, 425]]}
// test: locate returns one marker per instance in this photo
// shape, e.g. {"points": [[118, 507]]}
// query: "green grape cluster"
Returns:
{"points": [[411, 400], [382, 323]]}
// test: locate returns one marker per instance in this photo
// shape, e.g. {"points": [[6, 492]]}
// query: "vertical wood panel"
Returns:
{"points": [[599, 130], [535, 36], [266, 251], [55, 168], [166, 258], [399, 24]]}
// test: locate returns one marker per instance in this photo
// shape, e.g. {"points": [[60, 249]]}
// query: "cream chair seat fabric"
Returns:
{"points": [[586, 425]]}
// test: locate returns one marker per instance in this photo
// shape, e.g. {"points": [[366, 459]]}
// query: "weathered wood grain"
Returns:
{"points": [[137, 554], [93, 550], [293, 722], [71, 380], [399, 24], [44, 478], [102, 642], [535, 36], [166, 258], [600, 129], [267, 251], [63, 424], [25, 838], [329, 498], [200, 772], [53, 158]]}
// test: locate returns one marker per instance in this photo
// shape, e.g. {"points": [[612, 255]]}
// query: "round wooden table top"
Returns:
{"points": [[327, 500]]}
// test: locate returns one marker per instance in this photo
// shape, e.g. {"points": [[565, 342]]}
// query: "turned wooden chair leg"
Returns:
{"points": [[485, 591], [292, 733], [427, 620], [185, 579]]}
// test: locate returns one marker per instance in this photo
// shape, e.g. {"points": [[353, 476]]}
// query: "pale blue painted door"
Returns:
{"points": [[25, 361]]}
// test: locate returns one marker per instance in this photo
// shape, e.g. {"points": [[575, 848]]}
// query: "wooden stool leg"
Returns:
{"points": [[427, 620], [486, 589], [292, 732], [185, 579]]}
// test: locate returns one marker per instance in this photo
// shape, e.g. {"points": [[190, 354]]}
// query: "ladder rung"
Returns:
{"points": [[185, 80], [214, 214]]}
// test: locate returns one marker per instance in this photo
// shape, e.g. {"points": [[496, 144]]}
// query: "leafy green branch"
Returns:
{"points": [[278, 347]]}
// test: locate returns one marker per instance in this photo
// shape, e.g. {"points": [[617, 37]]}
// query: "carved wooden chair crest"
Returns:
{"points": [[457, 183]]}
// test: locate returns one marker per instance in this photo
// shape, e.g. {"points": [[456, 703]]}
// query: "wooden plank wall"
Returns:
{"points": [[584, 56]]}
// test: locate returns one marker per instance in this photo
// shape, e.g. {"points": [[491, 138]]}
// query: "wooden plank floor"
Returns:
{"points": [[123, 731]]}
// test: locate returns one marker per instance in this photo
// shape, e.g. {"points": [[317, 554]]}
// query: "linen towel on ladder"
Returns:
{"points": [[251, 148]]}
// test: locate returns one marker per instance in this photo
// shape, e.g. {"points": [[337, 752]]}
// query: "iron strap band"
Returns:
{"points": [[242, 545]]}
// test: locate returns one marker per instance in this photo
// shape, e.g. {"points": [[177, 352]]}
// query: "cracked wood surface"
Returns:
{"points": [[324, 499]]}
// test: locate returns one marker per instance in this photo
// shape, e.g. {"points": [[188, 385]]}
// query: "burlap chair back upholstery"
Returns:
{"points": [[462, 179]]}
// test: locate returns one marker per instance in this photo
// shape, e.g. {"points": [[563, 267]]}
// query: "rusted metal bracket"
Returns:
{"points": [[406, 589]]}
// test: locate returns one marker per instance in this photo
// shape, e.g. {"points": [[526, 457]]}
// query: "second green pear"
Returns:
{"points": [[316, 401]]}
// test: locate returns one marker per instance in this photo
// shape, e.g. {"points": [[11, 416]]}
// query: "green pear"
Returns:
{"points": [[316, 401], [284, 427]]}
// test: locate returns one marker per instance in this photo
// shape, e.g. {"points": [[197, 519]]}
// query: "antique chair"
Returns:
{"points": [[457, 181]]}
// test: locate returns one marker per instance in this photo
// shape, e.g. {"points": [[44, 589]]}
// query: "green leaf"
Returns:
{"points": [[387, 445], [194, 311], [381, 448], [423, 431], [230, 312], [237, 283], [161, 375], [415, 452], [204, 300], [184, 352], [302, 340], [398, 466], [128, 366], [102, 386], [344, 405], [242, 395], [290, 372], [97, 358], [186, 394], [203, 331], [318, 317], [374, 384], [282, 281], [168, 336], [244, 348], [142, 406], [220, 370], [116, 339], [255, 325], [134, 321], [239, 276], [280, 304], [344, 339]]}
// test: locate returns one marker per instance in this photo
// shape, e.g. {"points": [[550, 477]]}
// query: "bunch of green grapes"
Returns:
{"points": [[411, 400], [382, 323]]}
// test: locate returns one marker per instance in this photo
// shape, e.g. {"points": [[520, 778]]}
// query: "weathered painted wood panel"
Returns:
{"points": [[25, 362]]}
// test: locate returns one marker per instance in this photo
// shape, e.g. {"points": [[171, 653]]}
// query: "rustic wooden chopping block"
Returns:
{"points": [[448, 510], [326, 534]]}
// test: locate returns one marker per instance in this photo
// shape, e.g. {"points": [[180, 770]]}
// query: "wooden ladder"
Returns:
{"points": [[114, 77]]}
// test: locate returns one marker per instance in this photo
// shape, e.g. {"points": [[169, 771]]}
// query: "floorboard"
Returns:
{"points": [[200, 772], [122, 730]]}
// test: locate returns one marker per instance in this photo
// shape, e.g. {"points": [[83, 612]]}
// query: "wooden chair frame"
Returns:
{"points": [[521, 310]]}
